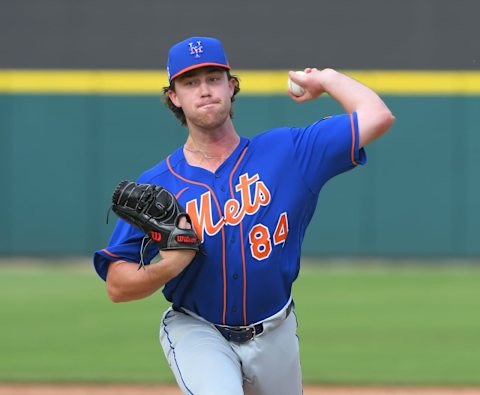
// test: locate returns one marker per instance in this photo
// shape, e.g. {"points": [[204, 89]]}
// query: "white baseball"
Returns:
{"points": [[293, 87]]}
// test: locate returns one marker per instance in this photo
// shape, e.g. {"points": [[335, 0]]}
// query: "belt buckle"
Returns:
{"points": [[239, 334], [250, 333], [245, 333]]}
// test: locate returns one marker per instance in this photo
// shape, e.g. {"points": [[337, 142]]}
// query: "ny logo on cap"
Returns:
{"points": [[196, 49]]}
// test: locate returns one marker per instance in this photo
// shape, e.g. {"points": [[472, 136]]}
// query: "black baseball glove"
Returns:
{"points": [[156, 212]]}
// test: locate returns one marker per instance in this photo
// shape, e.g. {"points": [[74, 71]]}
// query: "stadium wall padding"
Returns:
{"points": [[62, 155]]}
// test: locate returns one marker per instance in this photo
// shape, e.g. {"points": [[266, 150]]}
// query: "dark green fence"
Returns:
{"points": [[61, 156]]}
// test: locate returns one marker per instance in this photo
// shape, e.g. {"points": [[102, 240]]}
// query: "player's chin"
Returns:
{"points": [[212, 120]]}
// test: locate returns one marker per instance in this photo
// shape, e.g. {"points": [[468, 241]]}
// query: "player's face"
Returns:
{"points": [[204, 96]]}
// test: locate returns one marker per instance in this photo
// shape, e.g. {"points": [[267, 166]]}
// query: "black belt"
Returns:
{"points": [[239, 334]]}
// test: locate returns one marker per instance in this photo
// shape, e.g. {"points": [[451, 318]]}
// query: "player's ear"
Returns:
{"points": [[231, 86], [172, 95]]}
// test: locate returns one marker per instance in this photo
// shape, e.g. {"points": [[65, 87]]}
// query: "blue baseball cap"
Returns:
{"points": [[195, 52]]}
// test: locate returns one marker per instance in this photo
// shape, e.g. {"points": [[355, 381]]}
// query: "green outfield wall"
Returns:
{"points": [[65, 143]]}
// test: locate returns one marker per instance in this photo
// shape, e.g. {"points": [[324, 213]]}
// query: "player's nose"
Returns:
{"points": [[204, 89]]}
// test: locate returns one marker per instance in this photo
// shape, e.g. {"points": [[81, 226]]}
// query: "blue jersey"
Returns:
{"points": [[251, 215]]}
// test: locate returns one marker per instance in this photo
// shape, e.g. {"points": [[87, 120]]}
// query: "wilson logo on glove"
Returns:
{"points": [[186, 239], [156, 236]]}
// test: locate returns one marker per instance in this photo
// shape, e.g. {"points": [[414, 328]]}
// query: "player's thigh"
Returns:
{"points": [[275, 365], [202, 361]]}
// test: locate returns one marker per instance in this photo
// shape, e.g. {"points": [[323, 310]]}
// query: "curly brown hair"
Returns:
{"points": [[178, 110]]}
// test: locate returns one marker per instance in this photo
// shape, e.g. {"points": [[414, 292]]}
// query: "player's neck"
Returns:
{"points": [[209, 150]]}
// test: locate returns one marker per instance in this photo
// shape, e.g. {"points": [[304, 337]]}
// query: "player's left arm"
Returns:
{"points": [[374, 117]]}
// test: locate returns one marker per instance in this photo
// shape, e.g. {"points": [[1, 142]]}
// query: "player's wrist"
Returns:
{"points": [[175, 261], [326, 77]]}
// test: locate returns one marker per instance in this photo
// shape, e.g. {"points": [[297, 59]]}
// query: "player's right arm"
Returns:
{"points": [[374, 117], [125, 282]]}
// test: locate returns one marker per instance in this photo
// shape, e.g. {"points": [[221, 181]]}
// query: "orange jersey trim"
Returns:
{"points": [[224, 262], [244, 264], [352, 123], [197, 66], [180, 193], [110, 253]]}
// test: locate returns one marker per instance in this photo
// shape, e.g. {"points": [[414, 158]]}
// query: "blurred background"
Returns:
{"points": [[69, 119], [81, 109]]}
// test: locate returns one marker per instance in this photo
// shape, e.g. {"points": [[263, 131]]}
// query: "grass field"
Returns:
{"points": [[382, 324]]}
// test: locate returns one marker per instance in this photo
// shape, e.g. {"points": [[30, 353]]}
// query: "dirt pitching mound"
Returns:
{"points": [[42, 389]]}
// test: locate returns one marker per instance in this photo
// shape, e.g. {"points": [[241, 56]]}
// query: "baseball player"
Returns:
{"points": [[231, 328]]}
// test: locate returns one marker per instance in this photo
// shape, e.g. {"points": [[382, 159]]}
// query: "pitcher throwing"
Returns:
{"points": [[231, 328]]}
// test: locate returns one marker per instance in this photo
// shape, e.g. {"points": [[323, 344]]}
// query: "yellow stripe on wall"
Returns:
{"points": [[265, 82], [82, 81]]}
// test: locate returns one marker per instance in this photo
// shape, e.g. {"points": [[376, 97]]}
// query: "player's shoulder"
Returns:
{"points": [[160, 173], [327, 120], [278, 134], [151, 175], [329, 123], [271, 135], [334, 119]]}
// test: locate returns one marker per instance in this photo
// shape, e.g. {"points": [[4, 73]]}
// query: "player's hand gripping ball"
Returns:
{"points": [[156, 212], [293, 87]]}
